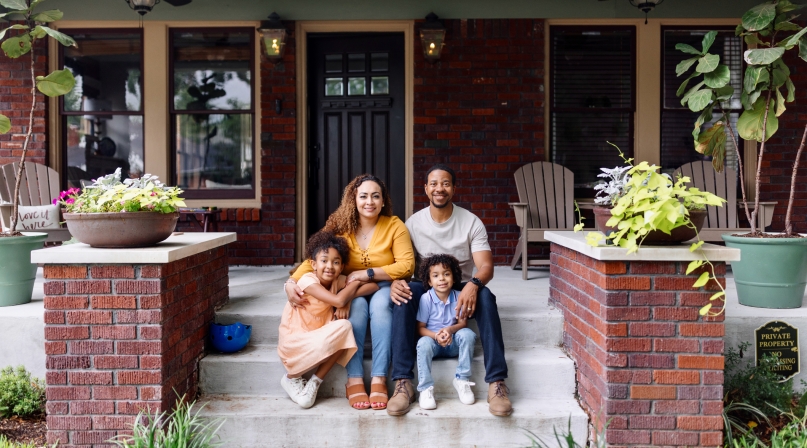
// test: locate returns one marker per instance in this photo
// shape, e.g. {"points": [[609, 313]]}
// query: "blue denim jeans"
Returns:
{"points": [[377, 308], [404, 334], [462, 346]]}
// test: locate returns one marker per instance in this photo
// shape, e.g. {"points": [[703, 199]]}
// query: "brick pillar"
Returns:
{"points": [[646, 361], [122, 338]]}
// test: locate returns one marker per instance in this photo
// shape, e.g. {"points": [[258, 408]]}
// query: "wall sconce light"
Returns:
{"points": [[142, 6], [432, 36], [274, 37], [646, 6]]}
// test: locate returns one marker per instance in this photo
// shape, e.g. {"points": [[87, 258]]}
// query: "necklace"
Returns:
{"points": [[364, 235]]}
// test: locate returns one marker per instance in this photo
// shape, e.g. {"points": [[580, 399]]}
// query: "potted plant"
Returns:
{"points": [[113, 213], [773, 269], [17, 273]]}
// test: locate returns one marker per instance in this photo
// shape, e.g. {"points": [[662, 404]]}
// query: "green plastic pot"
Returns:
{"points": [[771, 273], [17, 273]]}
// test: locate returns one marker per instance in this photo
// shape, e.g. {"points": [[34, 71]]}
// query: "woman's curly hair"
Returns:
{"points": [[345, 220], [322, 241], [442, 259]]}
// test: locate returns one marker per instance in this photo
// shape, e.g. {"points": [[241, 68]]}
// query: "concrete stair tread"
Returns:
{"points": [[451, 424]]}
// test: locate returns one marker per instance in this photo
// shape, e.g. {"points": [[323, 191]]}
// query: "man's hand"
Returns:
{"points": [[466, 302], [295, 295], [400, 292]]}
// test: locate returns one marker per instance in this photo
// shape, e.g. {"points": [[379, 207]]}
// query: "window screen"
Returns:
{"points": [[591, 100]]}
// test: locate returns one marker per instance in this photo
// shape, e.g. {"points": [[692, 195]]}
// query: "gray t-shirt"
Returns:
{"points": [[461, 235]]}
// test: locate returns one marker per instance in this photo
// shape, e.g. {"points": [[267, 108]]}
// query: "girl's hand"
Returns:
{"points": [[343, 312]]}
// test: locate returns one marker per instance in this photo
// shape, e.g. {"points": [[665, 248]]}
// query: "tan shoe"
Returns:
{"points": [[404, 396], [498, 403]]}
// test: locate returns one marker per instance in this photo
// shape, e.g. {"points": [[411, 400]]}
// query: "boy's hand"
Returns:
{"points": [[443, 337], [342, 313]]}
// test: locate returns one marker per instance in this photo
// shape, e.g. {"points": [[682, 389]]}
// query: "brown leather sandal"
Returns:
{"points": [[356, 394], [381, 395]]}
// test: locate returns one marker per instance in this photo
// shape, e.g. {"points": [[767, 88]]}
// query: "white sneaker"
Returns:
{"points": [[293, 386], [464, 390], [309, 394], [426, 399]]}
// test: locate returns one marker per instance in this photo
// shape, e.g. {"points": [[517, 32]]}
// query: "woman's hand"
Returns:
{"points": [[295, 295], [343, 312], [358, 276]]}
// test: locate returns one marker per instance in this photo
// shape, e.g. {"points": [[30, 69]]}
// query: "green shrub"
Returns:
{"points": [[5, 443], [756, 385], [182, 428], [20, 394], [794, 434]]}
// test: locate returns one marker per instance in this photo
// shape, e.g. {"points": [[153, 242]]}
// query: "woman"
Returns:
{"points": [[380, 252]]}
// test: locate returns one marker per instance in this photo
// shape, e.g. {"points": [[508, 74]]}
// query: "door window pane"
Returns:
{"points": [[107, 71], [379, 62], [333, 87], [212, 70], [380, 85], [214, 151], [355, 62], [356, 86], [333, 63]]}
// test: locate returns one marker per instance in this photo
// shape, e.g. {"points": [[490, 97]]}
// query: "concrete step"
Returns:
{"points": [[256, 298], [266, 421], [537, 372]]}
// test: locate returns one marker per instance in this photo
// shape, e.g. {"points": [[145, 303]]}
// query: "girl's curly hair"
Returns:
{"points": [[322, 241], [442, 259], [345, 220]]}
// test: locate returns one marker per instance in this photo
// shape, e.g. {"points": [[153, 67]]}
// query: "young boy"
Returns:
{"points": [[442, 335]]}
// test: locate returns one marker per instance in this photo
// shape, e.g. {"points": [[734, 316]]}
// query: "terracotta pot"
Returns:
{"points": [[117, 230], [655, 237]]}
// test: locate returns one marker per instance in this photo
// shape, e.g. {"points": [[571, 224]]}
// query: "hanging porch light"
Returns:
{"points": [[142, 6], [273, 34], [646, 6], [432, 36]]}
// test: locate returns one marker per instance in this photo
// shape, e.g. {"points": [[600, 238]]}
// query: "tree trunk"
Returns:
{"points": [[759, 162], [739, 163], [16, 199], [788, 224]]}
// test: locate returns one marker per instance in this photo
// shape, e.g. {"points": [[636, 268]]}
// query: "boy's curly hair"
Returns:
{"points": [[323, 240], [441, 259]]}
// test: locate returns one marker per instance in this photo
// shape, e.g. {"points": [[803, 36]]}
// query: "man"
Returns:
{"points": [[444, 228]]}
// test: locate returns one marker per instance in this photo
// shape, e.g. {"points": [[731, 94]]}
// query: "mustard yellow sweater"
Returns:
{"points": [[390, 249]]}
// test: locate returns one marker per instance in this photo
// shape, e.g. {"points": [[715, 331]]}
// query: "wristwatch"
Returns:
{"points": [[370, 273], [477, 282]]}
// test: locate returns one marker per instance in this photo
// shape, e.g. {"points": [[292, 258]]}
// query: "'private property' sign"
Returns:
{"points": [[782, 340]]}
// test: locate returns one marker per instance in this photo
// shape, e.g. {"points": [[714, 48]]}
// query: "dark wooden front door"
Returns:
{"points": [[356, 103]]}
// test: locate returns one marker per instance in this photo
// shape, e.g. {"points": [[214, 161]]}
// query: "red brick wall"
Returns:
{"points": [[122, 338], [645, 359], [480, 110], [15, 103]]}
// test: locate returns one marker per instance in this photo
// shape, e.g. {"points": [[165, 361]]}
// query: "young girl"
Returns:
{"points": [[310, 336], [442, 335]]}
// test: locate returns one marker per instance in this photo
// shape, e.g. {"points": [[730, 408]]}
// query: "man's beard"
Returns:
{"points": [[439, 205]]}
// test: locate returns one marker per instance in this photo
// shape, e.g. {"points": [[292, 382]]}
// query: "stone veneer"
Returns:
{"points": [[121, 338], [647, 362]]}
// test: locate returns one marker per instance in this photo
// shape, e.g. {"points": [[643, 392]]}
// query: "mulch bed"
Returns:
{"points": [[21, 430]]}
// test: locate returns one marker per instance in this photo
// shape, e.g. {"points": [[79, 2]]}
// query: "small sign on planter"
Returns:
{"points": [[782, 340]]}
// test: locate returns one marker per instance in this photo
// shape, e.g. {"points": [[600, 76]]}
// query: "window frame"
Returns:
{"points": [[63, 114], [213, 194]]}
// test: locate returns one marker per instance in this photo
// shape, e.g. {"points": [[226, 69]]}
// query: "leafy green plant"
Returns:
{"points": [[735, 418], [32, 27], [20, 394], [565, 439], [793, 434], [771, 29], [182, 428], [109, 195], [756, 385]]}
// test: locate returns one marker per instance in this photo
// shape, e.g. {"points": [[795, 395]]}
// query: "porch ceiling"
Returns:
{"points": [[398, 9]]}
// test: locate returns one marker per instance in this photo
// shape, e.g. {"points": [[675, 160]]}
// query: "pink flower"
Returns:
{"points": [[70, 201], [55, 201]]}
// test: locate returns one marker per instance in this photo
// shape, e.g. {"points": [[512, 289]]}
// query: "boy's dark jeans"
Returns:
{"points": [[405, 334]]}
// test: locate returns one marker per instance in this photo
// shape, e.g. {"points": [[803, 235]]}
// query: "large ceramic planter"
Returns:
{"points": [[17, 273], [656, 237], [771, 273], [117, 230]]}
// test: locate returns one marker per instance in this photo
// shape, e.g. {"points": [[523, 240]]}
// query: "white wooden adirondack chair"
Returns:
{"points": [[722, 220], [39, 186], [546, 202]]}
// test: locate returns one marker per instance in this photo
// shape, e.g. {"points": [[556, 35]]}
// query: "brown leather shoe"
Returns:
{"points": [[498, 402], [404, 396]]}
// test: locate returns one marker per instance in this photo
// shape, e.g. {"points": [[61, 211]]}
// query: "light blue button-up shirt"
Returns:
{"points": [[436, 314]]}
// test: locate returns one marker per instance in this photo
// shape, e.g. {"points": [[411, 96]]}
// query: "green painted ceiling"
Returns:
{"points": [[396, 9]]}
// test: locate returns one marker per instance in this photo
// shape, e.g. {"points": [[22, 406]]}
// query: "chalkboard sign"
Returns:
{"points": [[780, 339]]}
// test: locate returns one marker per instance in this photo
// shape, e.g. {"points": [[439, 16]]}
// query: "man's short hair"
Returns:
{"points": [[441, 167]]}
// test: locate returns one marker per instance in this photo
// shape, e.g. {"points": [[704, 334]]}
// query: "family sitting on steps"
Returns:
{"points": [[326, 318]]}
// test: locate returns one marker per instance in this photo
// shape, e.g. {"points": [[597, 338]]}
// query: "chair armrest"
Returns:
{"points": [[765, 213], [520, 209], [5, 215], [517, 204]]}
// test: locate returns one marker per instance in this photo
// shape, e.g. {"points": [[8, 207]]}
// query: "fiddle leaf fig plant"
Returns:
{"points": [[766, 88], [31, 26]]}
